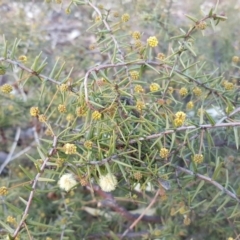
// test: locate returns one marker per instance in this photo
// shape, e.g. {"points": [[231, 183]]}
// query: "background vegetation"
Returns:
{"points": [[161, 117]]}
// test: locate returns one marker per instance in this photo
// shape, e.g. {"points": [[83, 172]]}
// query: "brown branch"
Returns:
{"points": [[34, 184], [209, 180], [142, 214], [111, 203], [29, 70]]}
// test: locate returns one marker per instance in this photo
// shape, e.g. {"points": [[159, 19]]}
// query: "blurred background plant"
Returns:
{"points": [[119, 120]]}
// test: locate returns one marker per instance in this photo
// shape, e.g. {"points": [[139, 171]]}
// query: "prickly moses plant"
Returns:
{"points": [[125, 126]]}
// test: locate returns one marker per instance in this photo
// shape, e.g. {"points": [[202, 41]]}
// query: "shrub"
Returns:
{"points": [[138, 140]]}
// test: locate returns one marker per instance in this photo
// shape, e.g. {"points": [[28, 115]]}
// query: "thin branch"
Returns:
{"points": [[9, 157], [209, 180], [29, 70], [142, 214], [34, 184], [111, 203]]}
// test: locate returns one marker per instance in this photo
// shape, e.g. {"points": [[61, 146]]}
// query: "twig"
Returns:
{"points": [[142, 214], [34, 184], [209, 180], [111, 203], [9, 157], [29, 70]]}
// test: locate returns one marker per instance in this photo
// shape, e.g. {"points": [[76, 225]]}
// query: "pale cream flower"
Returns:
{"points": [[67, 181], [108, 182]]}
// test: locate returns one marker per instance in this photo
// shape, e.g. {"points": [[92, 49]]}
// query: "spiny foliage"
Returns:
{"points": [[139, 121]]}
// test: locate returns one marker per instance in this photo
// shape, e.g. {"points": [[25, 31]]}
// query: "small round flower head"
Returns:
{"points": [[154, 87], [62, 108], [235, 59], [42, 118], [67, 182], [3, 191], [201, 25], [70, 117], [88, 144], [228, 85], [70, 148], [6, 88], [138, 89], [134, 75], [183, 92], [164, 152], [80, 111], [116, 14], [11, 220], [152, 41], [98, 18], [136, 35], [125, 17], [197, 91], [108, 182], [190, 105], [161, 56], [22, 58], [138, 44], [49, 132], [58, 1], [63, 87], [198, 158], [179, 118], [140, 105], [34, 111], [96, 115], [138, 175]]}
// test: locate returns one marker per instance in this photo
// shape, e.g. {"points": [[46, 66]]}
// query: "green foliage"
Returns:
{"points": [[119, 113]]}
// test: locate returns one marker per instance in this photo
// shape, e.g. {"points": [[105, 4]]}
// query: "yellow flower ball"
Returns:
{"points": [[154, 87], [152, 41], [183, 92], [197, 91], [88, 144], [198, 158], [34, 111], [6, 88], [125, 17], [235, 59], [190, 105], [134, 75], [62, 108], [22, 58], [164, 152], [138, 89], [136, 35], [140, 105], [70, 148], [96, 115], [3, 191]]}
